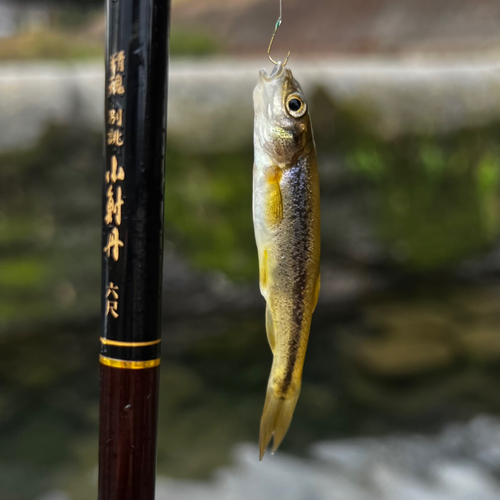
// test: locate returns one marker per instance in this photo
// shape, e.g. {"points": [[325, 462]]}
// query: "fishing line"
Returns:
{"points": [[277, 25]]}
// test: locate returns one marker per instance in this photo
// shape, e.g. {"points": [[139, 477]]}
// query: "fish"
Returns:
{"points": [[286, 217]]}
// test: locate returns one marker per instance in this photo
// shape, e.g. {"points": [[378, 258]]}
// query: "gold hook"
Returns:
{"points": [[278, 24]]}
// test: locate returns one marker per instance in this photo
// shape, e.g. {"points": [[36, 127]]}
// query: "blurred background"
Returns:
{"points": [[401, 396]]}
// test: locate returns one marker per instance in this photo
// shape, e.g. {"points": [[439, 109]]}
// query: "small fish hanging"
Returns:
{"points": [[286, 215]]}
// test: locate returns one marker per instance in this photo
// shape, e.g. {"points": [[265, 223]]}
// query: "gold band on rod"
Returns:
{"points": [[129, 365], [128, 344]]}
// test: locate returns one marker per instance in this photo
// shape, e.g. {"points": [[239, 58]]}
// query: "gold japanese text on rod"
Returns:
{"points": [[128, 365], [114, 191]]}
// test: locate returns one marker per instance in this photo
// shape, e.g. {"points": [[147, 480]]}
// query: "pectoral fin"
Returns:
{"points": [[274, 198], [270, 328], [263, 273]]}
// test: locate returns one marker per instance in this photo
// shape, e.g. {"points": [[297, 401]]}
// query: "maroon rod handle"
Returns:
{"points": [[127, 451]]}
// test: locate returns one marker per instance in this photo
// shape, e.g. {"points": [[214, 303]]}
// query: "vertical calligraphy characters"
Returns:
{"points": [[115, 174], [112, 300]]}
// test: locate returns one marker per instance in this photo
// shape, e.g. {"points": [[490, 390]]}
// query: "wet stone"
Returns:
{"points": [[416, 319], [482, 343], [478, 301], [404, 356]]}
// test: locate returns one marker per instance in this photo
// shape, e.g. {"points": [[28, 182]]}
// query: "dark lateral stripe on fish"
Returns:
{"points": [[300, 223]]}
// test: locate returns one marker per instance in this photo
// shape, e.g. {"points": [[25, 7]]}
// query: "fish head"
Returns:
{"points": [[282, 127]]}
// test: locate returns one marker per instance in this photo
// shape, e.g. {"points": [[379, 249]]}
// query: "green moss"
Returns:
{"points": [[436, 197], [62, 42], [17, 229], [208, 210], [434, 200], [487, 182], [192, 43], [25, 272], [54, 45], [49, 238], [366, 162]]}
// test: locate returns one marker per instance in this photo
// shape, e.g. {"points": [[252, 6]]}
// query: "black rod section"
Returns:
{"points": [[132, 245]]}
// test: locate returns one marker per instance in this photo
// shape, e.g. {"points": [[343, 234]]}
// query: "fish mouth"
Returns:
{"points": [[275, 73]]}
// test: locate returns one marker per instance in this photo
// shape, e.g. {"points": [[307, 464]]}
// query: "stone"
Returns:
{"points": [[421, 319], [478, 301], [482, 343], [404, 356]]}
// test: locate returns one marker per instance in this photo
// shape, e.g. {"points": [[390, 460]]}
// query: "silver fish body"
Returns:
{"points": [[286, 212]]}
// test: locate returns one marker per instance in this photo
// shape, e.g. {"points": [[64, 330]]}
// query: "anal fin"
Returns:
{"points": [[274, 198]]}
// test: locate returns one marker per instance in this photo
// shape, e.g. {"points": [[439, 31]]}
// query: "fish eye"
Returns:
{"points": [[295, 106]]}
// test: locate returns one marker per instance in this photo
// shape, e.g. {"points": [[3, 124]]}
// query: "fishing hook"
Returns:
{"points": [[278, 24]]}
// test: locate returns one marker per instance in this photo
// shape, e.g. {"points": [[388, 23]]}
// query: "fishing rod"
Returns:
{"points": [[137, 33]]}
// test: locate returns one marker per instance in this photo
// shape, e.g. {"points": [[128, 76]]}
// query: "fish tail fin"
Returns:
{"points": [[276, 418]]}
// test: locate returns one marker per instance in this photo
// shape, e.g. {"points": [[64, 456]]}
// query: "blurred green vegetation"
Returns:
{"points": [[77, 16], [208, 210], [49, 229], [62, 45], [433, 200], [77, 33], [54, 44], [49, 397], [193, 43], [436, 197]]}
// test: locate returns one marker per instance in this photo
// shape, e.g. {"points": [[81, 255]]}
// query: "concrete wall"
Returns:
{"points": [[210, 102]]}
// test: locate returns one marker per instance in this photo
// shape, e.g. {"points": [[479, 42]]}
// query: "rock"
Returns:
{"points": [[479, 301], [422, 319], [482, 343], [403, 357], [410, 467], [341, 283], [464, 479]]}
